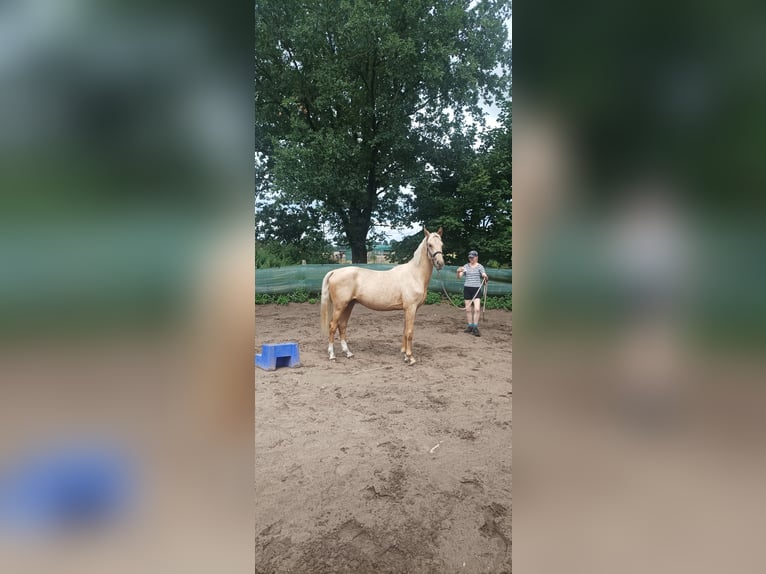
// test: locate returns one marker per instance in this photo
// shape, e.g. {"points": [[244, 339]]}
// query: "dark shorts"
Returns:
{"points": [[469, 292]]}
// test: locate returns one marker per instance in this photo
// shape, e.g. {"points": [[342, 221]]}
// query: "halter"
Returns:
{"points": [[432, 256]]}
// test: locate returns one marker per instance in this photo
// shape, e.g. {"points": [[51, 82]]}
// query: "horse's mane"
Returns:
{"points": [[416, 257]]}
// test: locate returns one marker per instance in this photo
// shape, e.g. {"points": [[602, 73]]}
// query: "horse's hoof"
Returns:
{"points": [[349, 355], [412, 362], [332, 358]]}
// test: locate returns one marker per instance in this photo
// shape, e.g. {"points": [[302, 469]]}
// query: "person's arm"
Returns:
{"points": [[460, 271], [484, 275]]}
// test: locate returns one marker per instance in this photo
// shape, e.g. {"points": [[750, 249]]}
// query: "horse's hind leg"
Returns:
{"points": [[342, 324], [333, 327]]}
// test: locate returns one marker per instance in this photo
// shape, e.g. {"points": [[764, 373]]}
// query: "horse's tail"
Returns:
{"points": [[325, 301]]}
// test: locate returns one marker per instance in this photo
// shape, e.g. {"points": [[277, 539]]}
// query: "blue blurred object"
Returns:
{"points": [[277, 355], [65, 489]]}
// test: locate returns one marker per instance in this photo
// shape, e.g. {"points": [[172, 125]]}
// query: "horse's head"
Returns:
{"points": [[434, 248]]}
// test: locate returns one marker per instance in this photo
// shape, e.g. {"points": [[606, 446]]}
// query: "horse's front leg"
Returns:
{"points": [[404, 342], [409, 327]]}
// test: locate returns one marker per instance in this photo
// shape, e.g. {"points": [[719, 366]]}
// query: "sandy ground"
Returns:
{"points": [[370, 465]]}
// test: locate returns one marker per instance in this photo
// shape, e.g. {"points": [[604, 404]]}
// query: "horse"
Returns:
{"points": [[402, 288]]}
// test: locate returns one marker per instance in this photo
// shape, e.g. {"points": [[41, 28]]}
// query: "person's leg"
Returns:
{"points": [[468, 316], [476, 307]]}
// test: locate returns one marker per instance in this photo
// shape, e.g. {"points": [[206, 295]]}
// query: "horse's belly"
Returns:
{"points": [[378, 303], [381, 300]]}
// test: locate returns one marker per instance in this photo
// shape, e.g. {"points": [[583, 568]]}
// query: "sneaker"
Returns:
{"points": [[468, 329], [476, 332]]}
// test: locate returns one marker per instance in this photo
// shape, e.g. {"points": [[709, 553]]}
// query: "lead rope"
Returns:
{"points": [[444, 289], [462, 307]]}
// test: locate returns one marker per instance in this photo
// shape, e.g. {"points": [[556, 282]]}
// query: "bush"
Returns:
{"points": [[263, 299], [432, 298], [299, 295], [274, 254], [500, 302]]}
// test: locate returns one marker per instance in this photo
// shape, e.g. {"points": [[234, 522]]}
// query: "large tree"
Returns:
{"points": [[352, 95], [468, 190]]}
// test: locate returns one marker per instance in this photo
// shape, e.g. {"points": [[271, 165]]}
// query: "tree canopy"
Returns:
{"points": [[356, 100], [468, 191]]}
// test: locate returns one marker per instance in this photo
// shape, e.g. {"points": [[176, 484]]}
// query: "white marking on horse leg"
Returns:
{"points": [[331, 351], [345, 348], [412, 360]]}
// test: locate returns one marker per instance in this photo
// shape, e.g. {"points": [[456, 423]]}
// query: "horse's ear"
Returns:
{"points": [[439, 231], [425, 231]]}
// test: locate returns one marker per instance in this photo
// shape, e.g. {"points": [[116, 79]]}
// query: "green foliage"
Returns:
{"points": [[500, 302], [271, 255], [262, 299], [432, 298], [351, 98], [402, 251], [492, 264], [298, 296], [277, 254], [469, 193]]}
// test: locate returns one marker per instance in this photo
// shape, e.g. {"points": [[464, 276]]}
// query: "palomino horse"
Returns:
{"points": [[403, 287]]}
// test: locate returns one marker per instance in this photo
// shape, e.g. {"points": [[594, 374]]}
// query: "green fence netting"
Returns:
{"points": [[309, 277]]}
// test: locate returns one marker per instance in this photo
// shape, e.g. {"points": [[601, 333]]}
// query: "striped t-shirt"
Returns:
{"points": [[473, 275]]}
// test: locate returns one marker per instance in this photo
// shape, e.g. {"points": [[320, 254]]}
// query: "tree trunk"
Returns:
{"points": [[357, 238], [359, 251], [360, 220]]}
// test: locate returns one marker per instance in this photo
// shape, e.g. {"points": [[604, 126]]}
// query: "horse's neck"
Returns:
{"points": [[421, 263]]}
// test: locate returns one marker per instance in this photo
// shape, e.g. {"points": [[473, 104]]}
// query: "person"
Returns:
{"points": [[475, 276]]}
